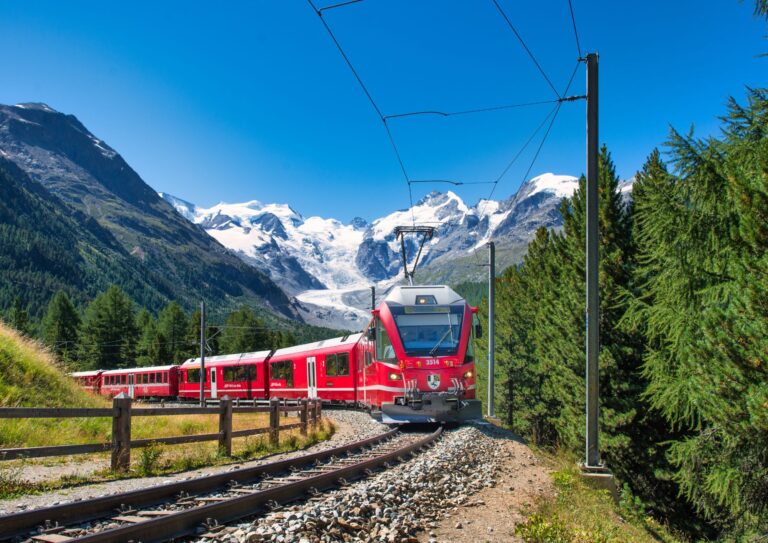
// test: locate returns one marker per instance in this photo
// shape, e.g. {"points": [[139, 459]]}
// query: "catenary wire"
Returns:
{"points": [[370, 99], [339, 5], [469, 111], [525, 46], [575, 32]]}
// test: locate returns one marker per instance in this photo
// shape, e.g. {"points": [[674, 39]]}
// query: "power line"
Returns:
{"points": [[575, 32], [469, 111], [370, 97], [525, 46], [339, 5]]}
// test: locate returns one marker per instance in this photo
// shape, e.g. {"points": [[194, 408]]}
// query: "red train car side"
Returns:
{"points": [[324, 369], [241, 375], [156, 382], [89, 380]]}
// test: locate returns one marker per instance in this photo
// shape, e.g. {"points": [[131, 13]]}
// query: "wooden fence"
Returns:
{"points": [[122, 412]]}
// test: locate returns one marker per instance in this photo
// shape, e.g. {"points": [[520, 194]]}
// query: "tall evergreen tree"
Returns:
{"points": [[108, 333], [150, 348], [18, 317], [703, 253], [172, 325], [60, 327]]}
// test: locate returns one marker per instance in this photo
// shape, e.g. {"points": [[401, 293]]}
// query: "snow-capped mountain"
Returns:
{"points": [[329, 266]]}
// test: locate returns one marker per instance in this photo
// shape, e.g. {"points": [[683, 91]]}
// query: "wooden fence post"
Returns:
{"points": [[121, 432], [225, 426], [274, 421], [313, 413], [319, 410], [303, 416]]}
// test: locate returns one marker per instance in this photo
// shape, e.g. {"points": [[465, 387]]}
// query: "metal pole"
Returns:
{"points": [[202, 354], [373, 298], [592, 299], [491, 325]]}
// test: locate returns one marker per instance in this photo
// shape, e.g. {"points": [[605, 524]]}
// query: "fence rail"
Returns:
{"points": [[122, 412]]}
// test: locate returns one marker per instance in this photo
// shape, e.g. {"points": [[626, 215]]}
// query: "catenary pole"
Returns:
{"points": [[202, 354], [592, 256], [491, 325]]}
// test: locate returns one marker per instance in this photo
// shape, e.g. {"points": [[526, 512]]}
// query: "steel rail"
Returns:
{"points": [[182, 523], [83, 511]]}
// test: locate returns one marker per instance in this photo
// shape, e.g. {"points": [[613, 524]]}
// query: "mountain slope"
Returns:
{"points": [[46, 246], [180, 261]]}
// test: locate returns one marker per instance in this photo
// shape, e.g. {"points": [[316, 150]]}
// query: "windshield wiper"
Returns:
{"points": [[445, 335]]}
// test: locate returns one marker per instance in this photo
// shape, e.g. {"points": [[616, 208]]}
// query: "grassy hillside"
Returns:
{"points": [[29, 377]]}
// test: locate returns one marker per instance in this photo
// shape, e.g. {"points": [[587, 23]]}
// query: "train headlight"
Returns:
{"points": [[467, 375], [394, 376]]}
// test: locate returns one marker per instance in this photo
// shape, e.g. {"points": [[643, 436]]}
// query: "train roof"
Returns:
{"points": [[90, 373], [351, 339], [406, 295], [234, 357], [139, 369]]}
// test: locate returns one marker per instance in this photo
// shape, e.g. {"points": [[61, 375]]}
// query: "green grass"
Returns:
{"points": [[581, 514], [158, 460]]}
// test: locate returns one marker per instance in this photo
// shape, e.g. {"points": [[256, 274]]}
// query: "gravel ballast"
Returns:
{"points": [[393, 505]]}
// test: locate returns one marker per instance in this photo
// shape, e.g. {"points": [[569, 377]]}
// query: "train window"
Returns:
{"points": [[124, 379], [330, 365], [193, 376], [152, 378], [337, 365], [384, 349], [368, 358], [165, 378], [283, 371], [239, 373]]}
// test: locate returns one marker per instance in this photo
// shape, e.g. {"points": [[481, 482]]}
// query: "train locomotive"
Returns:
{"points": [[413, 363]]}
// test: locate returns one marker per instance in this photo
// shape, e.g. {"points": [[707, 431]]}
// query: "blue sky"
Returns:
{"points": [[239, 100]]}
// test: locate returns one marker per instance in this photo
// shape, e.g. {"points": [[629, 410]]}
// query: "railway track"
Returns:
{"points": [[179, 509]]}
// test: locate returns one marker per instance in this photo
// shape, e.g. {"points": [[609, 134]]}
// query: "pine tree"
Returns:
{"points": [[703, 247], [61, 327], [108, 333], [172, 325], [150, 349], [18, 317]]}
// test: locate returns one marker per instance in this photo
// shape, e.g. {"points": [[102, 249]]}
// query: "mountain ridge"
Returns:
{"points": [[329, 265], [57, 154]]}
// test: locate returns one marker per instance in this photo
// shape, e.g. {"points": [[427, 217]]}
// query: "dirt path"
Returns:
{"points": [[492, 514]]}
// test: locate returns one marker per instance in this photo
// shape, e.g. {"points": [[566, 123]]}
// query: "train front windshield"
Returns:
{"points": [[430, 330]]}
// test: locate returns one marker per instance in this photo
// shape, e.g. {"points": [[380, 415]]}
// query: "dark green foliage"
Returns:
{"points": [[684, 330], [472, 292], [703, 252], [172, 325], [150, 348], [108, 334], [540, 348], [18, 317], [60, 327]]}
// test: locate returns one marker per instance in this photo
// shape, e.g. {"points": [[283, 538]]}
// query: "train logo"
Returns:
{"points": [[433, 380]]}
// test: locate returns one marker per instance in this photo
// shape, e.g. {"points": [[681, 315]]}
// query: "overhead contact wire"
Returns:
{"points": [[525, 46], [369, 96], [575, 32]]}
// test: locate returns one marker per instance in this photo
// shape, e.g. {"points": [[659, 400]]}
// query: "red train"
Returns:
{"points": [[413, 363]]}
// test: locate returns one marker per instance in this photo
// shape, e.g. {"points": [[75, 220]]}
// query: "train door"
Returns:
{"points": [[130, 385], [213, 383], [311, 378]]}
